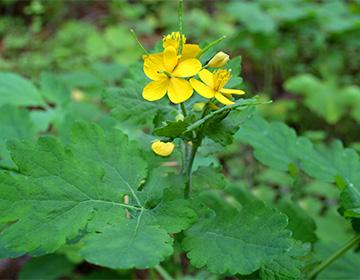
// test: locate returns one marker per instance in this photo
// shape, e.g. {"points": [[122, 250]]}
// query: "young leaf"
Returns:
{"points": [[240, 231]]}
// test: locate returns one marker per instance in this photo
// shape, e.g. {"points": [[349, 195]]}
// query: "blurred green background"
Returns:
{"points": [[304, 55]]}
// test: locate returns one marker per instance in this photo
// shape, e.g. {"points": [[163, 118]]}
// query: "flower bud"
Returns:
{"points": [[219, 60], [162, 149], [199, 106], [179, 117]]}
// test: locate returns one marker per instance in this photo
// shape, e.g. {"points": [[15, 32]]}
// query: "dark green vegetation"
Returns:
{"points": [[267, 202]]}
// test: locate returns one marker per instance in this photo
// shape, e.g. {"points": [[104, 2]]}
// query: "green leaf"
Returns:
{"points": [[128, 106], [124, 168], [300, 223], [53, 89], [66, 194], [49, 267], [15, 124], [16, 90], [208, 177], [287, 266], [276, 145], [171, 129], [127, 246], [341, 165], [330, 101], [228, 230]]}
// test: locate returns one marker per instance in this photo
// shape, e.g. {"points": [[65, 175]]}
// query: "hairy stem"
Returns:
{"points": [[324, 264], [163, 273], [138, 41]]}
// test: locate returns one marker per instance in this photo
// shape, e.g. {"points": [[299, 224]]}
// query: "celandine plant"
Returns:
{"points": [[111, 202]]}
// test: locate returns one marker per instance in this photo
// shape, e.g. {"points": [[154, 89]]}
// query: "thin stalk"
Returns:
{"points": [[209, 46], [188, 174], [138, 41], [244, 102], [180, 15], [323, 265], [163, 273], [183, 109]]}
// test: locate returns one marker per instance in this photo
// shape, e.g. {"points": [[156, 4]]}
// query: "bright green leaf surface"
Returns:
{"points": [[18, 91], [240, 231]]}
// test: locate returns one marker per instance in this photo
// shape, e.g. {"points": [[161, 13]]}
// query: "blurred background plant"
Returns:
{"points": [[302, 54]]}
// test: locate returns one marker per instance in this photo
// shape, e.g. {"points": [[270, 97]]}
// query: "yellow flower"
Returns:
{"points": [[188, 50], [162, 149], [213, 85], [219, 60], [167, 71]]}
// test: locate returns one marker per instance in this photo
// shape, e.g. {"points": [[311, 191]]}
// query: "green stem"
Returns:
{"points": [[183, 109], [323, 265], [209, 46], [188, 170], [240, 103], [163, 273], [180, 14], [138, 41]]}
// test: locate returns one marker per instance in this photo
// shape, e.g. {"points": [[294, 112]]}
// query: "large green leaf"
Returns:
{"points": [[276, 145], [238, 234], [64, 194], [18, 91]]}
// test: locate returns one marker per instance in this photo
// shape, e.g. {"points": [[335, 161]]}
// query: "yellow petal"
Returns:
{"points": [[170, 58], [153, 63], [162, 149], [187, 68], [179, 90], [155, 90], [201, 88], [222, 99], [190, 51], [207, 77], [232, 91]]}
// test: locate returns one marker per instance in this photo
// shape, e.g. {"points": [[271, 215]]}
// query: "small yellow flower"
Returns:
{"points": [[213, 85], [188, 50], [166, 70], [162, 149], [219, 60]]}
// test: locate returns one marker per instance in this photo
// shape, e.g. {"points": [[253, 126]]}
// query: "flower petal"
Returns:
{"points": [[170, 58], [222, 99], [155, 90], [162, 149], [202, 89], [190, 51], [232, 91], [179, 90], [207, 77], [187, 68], [152, 64]]}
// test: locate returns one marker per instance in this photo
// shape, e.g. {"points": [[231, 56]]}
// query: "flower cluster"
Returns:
{"points": [[173, 72]]}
